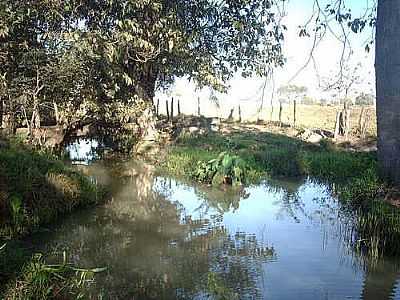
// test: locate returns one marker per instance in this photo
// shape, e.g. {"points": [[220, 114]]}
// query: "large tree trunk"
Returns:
{"points": [[388, 88], [145, 90]]}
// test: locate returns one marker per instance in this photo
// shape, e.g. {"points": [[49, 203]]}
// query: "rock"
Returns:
{"points": [[193, 129], [314, 138], [311, 136]]}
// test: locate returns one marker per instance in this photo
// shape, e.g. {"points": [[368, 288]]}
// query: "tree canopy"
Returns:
{"points": [[108, 57]]}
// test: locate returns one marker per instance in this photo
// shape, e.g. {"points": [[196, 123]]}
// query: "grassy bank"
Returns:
{"points": [[351, 176], [35, 189]]}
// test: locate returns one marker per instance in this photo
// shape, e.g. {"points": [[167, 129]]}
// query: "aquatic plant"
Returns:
{"points": [[226, 169]]}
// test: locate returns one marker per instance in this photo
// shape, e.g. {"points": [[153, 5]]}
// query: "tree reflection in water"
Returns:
{"points": [[154, 250]]}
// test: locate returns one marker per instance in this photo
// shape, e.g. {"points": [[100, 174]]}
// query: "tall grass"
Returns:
{"points": [[37, 188]]}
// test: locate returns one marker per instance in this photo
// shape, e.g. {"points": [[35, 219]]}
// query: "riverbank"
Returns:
{"points": [[352, 176], [35, 189]]}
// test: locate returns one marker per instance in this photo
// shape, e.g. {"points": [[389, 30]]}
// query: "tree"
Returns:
{"points": [[292, 92], [147, 44], [365, 100], [387, 88]]}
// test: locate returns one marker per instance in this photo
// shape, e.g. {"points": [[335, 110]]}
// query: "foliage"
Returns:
{"points": [[42, 281], [365, 99], [230, 168], [71, 61], [216, 287]]}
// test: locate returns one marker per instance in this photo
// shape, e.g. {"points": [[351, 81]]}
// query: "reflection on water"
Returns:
{"points": [[165, 240], [83, 151]]}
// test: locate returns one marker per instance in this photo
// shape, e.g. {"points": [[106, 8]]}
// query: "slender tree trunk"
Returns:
{"points": [[387, 67], [145, 90], [1, 112], [280, 113]]}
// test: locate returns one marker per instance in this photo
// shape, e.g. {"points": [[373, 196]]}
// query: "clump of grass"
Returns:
{"points": [[218, 289], [39, 280], [281, 162], [36, 188], [378, 229], [362, 189], [337, 166]]}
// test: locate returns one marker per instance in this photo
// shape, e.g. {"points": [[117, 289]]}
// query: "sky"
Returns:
{"points": [[248, 92]]}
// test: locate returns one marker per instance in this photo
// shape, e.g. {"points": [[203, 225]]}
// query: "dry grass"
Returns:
{"points": [[317, 116]]}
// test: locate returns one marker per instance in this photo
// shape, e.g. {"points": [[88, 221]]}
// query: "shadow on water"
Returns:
{"points": [[162, 239]]}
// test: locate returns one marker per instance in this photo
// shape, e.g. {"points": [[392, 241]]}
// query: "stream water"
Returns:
{"points": [[164, 239]]}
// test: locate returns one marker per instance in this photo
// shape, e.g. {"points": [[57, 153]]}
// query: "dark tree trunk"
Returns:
{"points": [[387, 68], [1, 112]]}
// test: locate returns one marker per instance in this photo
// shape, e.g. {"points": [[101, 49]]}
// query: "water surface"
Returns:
{"points": [[164, 239]]}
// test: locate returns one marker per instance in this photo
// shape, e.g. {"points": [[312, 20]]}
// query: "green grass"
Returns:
{"points": [[35, 189], [270, 155], [39, 280]]}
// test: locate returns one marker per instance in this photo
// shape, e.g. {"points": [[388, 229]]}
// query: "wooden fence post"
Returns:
{"points": [[337, 125], [361, 119], [280, 113], [240, 114], [198, 107], [158, 107], [167, 109], [294, 113], [179, 107], [172, 109]]}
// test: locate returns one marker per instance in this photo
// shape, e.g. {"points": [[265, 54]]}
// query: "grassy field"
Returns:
{"points": [[308, 116], [317, 116]]}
